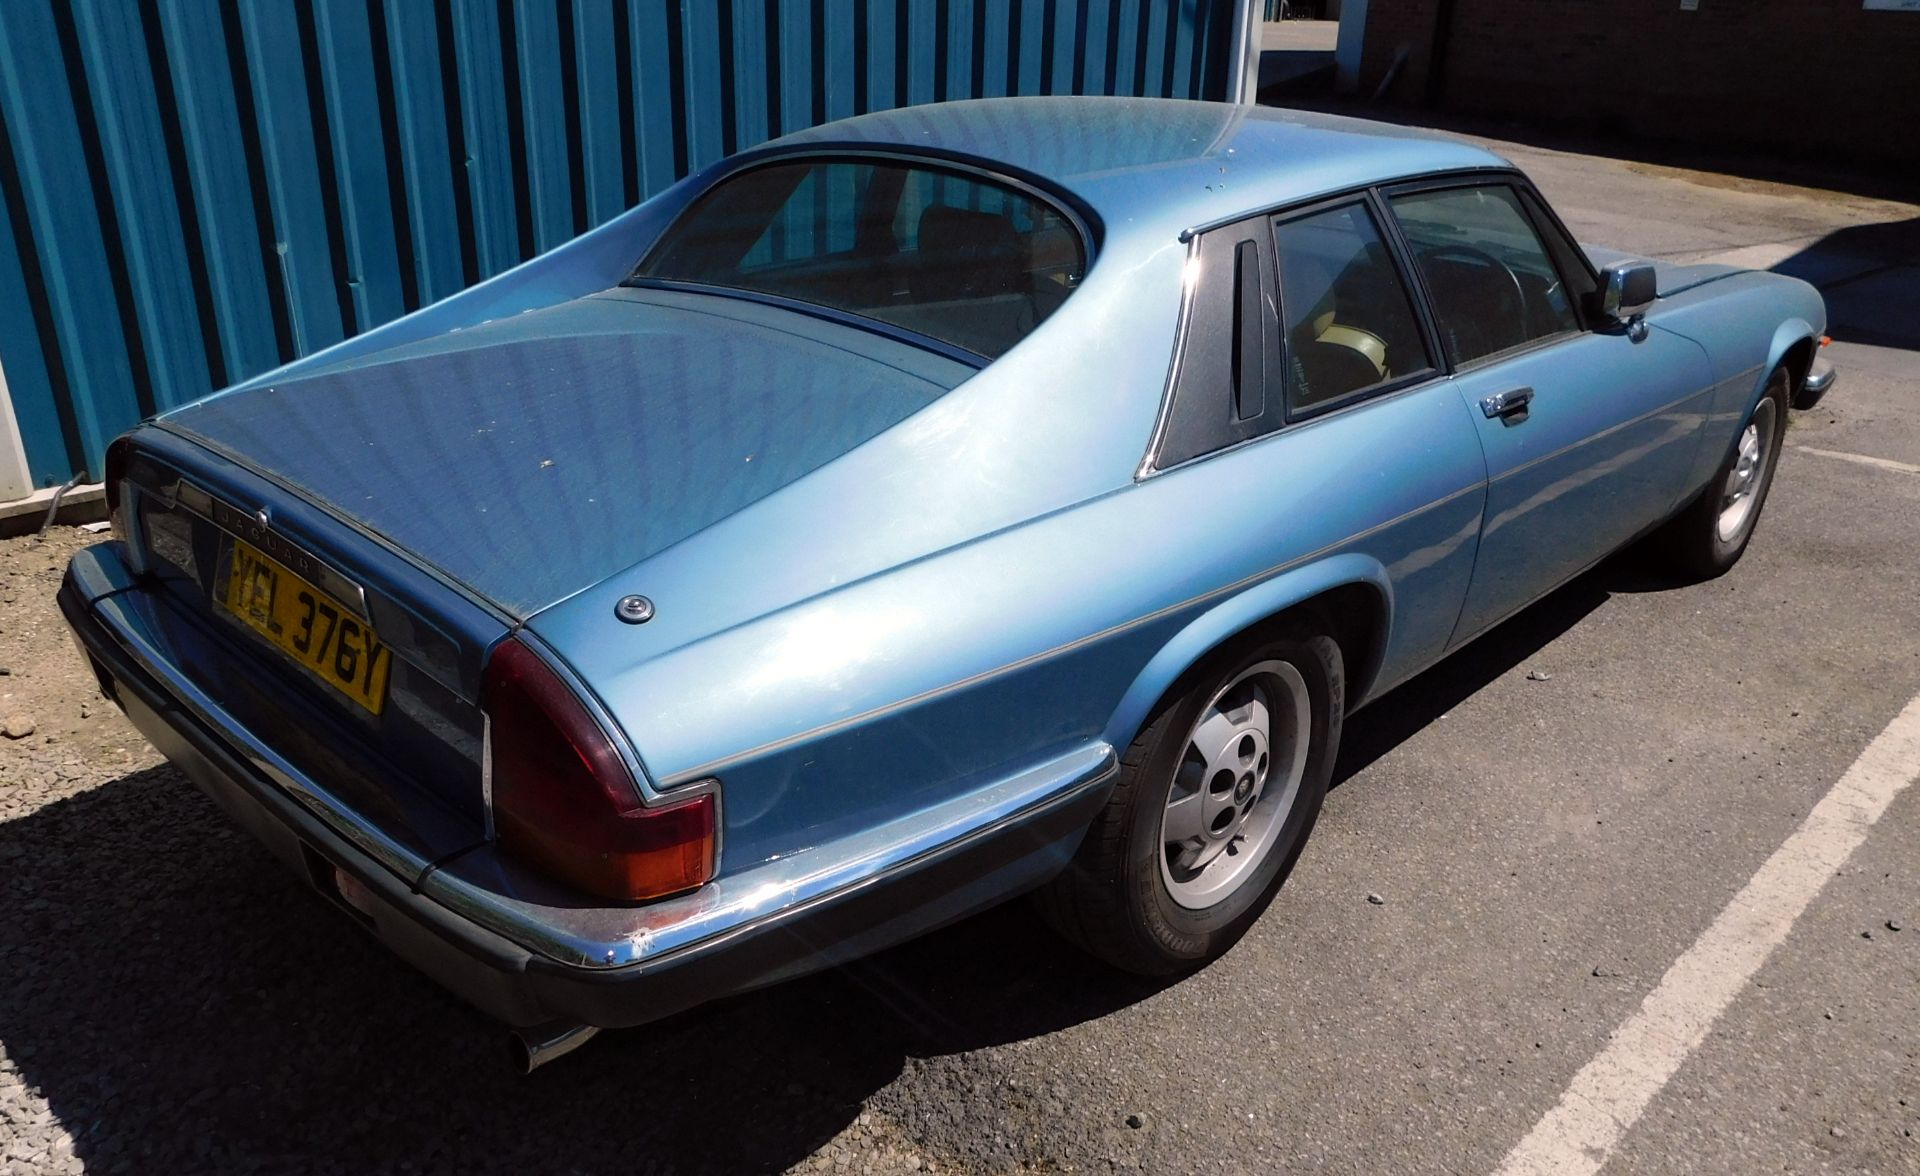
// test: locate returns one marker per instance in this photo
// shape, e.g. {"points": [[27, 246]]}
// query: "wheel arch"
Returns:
{"points": [[1350, 593], [1793, 347]]}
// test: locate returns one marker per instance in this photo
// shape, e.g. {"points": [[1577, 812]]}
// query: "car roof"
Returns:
{"points": [[1156, 164]]}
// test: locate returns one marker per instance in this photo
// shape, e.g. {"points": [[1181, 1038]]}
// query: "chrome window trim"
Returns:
{"points": [[1376, 395], [1539, 343], [1301, 202], [1189, 287]]}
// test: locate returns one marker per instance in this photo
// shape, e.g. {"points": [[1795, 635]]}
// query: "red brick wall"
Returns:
{"points": [[1800, 77]]}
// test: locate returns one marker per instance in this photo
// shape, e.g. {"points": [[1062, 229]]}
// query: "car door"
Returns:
{"points": [[1588, 432], [1310, 420]]}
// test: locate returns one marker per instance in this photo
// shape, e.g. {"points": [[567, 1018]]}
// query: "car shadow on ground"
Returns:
{"points": [[1401, 713], [184, 1004], [1869, 276]]}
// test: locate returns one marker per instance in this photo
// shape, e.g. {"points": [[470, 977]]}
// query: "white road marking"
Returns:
{"points": [[1861, 458], [1610, 1092]]}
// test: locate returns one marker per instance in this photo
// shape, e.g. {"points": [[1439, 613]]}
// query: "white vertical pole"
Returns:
{"points": [[1346, 53], [15, 479], [1243, 76]]}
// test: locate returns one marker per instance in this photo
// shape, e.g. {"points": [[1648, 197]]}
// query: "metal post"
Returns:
{"points": [[1243, 77], [1350, 47], [16, 479]]}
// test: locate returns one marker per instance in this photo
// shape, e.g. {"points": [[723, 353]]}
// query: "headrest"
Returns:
{"points": [[967, 254]]}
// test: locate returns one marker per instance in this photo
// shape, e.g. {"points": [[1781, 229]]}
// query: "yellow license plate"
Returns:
{"points": [[308, 626]]}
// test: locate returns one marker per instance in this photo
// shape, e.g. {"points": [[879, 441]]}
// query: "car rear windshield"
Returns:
{"points": [[948, 255]]}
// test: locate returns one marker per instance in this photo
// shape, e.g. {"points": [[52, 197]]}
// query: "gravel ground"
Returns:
{"points": [[58, 739]]}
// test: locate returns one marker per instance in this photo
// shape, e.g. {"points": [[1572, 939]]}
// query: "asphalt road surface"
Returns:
{"points": [[1641, 855]]}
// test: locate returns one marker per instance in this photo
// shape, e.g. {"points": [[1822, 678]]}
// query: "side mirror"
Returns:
{"points": [[1628, 290]]}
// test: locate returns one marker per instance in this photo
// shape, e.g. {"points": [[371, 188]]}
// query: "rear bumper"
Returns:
{"points": [[504, 954], [1820, 379]]}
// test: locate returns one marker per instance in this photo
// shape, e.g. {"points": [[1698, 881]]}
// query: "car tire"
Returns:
{"points": [[1237, 759], [1709, 536]]}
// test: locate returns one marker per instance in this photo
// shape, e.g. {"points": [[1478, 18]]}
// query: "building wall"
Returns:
{"points": [[1797, 77], [194, 191]]}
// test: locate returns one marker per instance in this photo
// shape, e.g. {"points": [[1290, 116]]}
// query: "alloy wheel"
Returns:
{"points": [[1236, 783], [1741, 490]]}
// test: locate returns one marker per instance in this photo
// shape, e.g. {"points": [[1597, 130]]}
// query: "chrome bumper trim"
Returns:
{"points": [[1820, 380], [615, 937], [610, 937], [101, 581]]}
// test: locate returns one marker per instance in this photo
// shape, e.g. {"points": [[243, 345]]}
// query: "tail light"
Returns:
{"points": [[115, 473], [564, 801]]}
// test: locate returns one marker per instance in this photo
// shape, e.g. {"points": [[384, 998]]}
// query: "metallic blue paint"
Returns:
{"points": [[1235, 614], [938, 617], [530, 457], [1605, 449]]}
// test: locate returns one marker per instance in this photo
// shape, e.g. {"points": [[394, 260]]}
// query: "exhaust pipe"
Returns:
{"points": [[535, 1047]]}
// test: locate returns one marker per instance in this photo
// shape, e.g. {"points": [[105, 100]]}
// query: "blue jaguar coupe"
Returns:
{"points": [[918, 511]]}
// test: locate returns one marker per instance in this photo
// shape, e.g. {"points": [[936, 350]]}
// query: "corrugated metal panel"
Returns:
{"points": [[194, 191]]}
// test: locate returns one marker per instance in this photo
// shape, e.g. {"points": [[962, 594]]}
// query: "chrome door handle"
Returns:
{"points": [[1510, 407]]}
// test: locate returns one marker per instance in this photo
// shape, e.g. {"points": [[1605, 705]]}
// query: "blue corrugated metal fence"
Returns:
{"points": [[193, 191]]}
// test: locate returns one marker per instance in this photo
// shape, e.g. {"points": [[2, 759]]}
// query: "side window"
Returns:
{"points": [[1566, 253], [1348, 323], [1491, 281]]}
